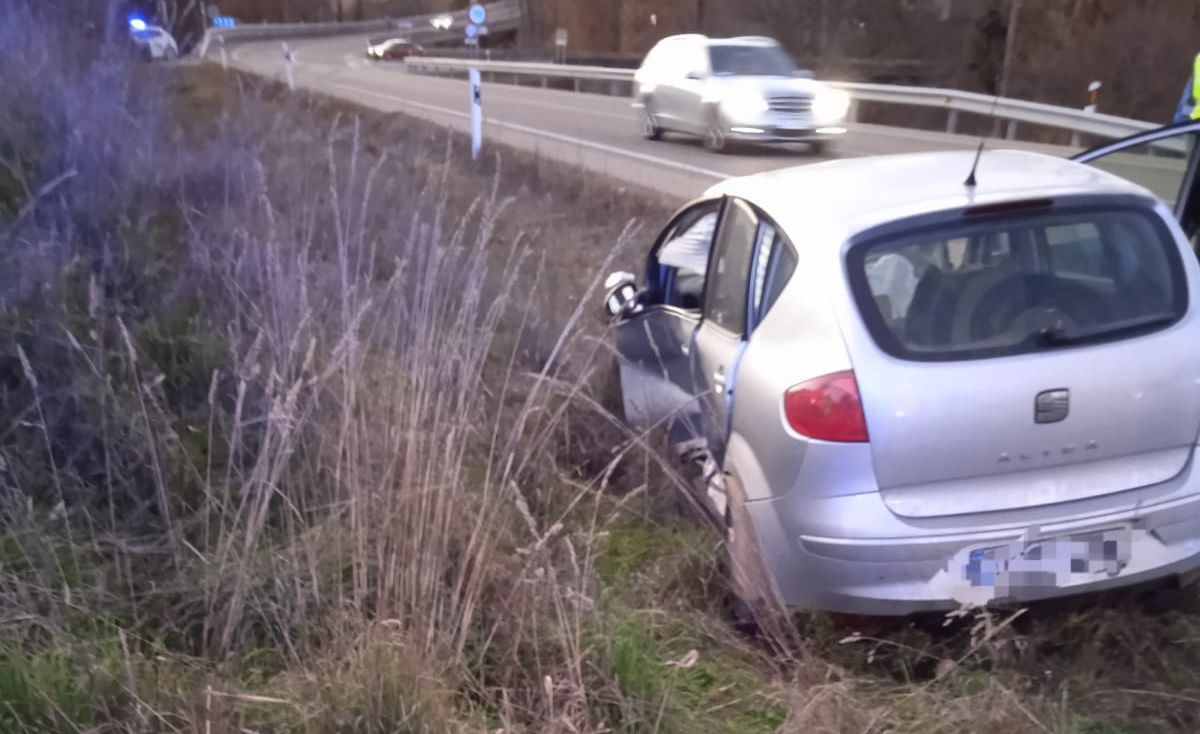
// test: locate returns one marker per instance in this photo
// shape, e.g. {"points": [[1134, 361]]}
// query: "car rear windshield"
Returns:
{"points": [[1020, 282], [733, 60]]}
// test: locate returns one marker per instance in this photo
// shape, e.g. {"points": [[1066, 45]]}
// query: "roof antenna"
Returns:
{"points": [[971, 182]]}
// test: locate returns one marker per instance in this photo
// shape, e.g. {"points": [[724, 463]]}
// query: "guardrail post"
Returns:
{"points": [[545, 82], [615, 89], [952, 122], [287, 63], [576, 84], [852, 113], [1075, 141], [1011, 132]]}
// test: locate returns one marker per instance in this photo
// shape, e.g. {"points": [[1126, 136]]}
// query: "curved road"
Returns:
{"points": [[597, 132]]}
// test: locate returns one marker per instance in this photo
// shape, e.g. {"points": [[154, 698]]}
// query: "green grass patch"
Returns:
{"points": [[671, 564], [59, 687], [669, 675]]}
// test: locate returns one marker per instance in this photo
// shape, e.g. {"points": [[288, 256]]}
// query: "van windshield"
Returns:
{"points": [[732, 60], [1013, 284]]}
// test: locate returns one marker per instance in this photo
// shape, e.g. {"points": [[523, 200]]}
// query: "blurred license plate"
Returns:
{"points": [[1028, 565], [796, 122]]}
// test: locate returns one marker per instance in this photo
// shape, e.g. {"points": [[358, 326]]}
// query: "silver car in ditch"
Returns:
{"points": [[735, 90], [910, 392]]}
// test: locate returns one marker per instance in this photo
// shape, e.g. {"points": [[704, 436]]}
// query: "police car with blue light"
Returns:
{"points": [[153, 42]]}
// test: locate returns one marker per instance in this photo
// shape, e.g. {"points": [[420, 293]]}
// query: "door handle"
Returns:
{"points": [[719, 381]]}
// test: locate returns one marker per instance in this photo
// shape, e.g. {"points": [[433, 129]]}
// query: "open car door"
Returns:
{"points": [[1165, 162], [654, 342]]}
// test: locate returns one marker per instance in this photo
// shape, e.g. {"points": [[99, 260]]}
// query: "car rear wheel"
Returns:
{"points": [[757, 602], [650, 128], [820, 147]]}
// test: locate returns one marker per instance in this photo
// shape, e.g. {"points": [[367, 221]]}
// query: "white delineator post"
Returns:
{"points": [[287, 65], [476, 113], [224, 56], [1092, 105], [560, 45]]}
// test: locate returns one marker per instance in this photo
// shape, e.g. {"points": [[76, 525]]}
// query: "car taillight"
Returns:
{"points": [[827, 408]]}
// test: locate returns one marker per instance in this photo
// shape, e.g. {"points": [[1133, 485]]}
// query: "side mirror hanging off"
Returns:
{"points": [[620, 294]]}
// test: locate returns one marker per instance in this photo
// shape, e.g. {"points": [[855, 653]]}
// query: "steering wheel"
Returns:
{"points": [[1030, 303]]}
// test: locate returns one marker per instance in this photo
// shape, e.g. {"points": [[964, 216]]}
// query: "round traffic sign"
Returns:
{"points": [[472, 30], [477, 14]]}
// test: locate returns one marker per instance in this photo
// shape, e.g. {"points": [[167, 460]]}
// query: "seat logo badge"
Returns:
{"points": [[1052, 406]]}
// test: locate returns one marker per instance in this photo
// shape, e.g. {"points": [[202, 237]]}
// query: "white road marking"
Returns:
{"points": [[524, 102], [598, 147], [352, 61]]}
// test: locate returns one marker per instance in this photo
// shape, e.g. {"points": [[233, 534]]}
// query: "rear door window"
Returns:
{"points": [[1016, 283], [773, 268], [725, 297]]}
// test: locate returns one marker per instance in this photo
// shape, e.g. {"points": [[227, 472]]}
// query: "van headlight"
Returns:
{"points": [[831, 105], [741, 104]]}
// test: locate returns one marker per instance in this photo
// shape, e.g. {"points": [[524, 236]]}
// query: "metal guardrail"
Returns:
{"points": [[1013, 110], [521, 68], [955, 102], [504, 15]]}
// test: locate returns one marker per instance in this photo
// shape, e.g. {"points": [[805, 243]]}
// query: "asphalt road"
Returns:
{"points": [[597, 132]]}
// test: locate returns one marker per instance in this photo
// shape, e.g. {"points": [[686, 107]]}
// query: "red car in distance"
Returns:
{"points": [[393, 49]]}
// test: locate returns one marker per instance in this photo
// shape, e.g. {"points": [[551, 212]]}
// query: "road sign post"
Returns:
{"points": [[476, 113], [560, 45], [472, 39]]}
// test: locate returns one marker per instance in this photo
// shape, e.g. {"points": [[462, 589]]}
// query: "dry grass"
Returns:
{"points": [[300, 431]]}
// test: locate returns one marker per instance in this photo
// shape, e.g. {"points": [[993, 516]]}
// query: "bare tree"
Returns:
{"points": [[1010, 45]]}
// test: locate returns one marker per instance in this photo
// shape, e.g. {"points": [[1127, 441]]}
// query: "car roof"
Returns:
{"points": [[763, 41], [743, 41], [852, 195]]}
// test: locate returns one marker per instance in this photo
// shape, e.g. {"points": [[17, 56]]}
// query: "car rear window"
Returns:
{"points": [[1019, 282]]}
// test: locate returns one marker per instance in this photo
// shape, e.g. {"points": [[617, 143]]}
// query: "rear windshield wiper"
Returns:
{"points": [[1061, 336]]}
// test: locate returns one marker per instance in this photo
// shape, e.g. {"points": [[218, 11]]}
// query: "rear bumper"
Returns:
{"points": [[882, 564]]}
